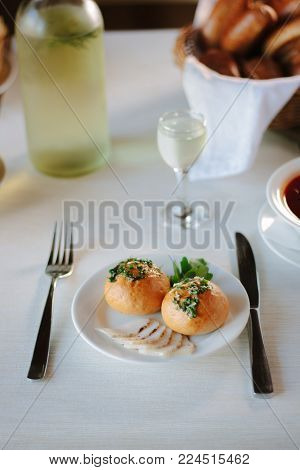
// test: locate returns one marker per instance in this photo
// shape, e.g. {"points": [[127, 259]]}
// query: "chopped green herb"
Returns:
{"points": [[132, 269], [187, 293]]}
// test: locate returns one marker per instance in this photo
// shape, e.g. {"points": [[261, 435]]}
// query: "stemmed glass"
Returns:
{"points": [[181, 137]]}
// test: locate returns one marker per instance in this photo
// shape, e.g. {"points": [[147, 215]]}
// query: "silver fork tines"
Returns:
{"points": [[60, 264], [60, 261]]}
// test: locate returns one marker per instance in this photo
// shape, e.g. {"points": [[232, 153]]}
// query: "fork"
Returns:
{"points": [[60, 264]]}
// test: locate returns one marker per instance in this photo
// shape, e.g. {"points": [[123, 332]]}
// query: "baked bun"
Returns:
{"points": [[248, 28], [294, 69], [4, 67], [289, 57], [261, 68], [195, 43], [224, 13], [282, 36], [195, 307], [2, 170], [136, 287], [285, 8], [220, 61]]}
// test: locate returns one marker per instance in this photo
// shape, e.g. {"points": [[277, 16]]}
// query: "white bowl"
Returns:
{"points": [[275, 189]]}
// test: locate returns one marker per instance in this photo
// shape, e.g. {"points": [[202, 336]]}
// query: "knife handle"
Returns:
{"points": [[261, 375]]}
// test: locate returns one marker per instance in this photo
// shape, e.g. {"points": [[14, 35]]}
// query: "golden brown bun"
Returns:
{"points": [[195, 43], [3, 29], [220, 61], [139, 297], [224, 13], [285, 8], [281, 36], [294, 69], [261, 68], [4, 70], [248, 28], [212, 312], [2, 170], [4, 67], [289, 56]]}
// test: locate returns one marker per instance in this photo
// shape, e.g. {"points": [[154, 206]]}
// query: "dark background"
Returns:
{"points": [[129, 15]]}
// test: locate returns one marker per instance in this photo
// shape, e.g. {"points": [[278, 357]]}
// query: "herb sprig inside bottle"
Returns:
{"points": [[134, 269], [187, 293]]}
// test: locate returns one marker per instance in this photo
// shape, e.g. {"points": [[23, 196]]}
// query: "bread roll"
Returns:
{"points": [[260, 68], [2, 170], [136, 287], [281, 36], [190, 313], [294, 69], [4, 67], [224, 13], [248, 28], [220, 61], [289, 57], [4, 71], [285, 8]]}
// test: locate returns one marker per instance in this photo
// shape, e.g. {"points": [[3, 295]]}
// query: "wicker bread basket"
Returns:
{"points": [[287, 118]]}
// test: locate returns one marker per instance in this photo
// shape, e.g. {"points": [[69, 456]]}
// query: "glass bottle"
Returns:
{"points": [[61, 56]]}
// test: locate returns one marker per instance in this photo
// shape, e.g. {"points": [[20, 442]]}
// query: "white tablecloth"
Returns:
{"points": [[92, 401]]}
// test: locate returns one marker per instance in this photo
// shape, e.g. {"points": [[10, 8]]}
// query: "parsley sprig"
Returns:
{"points": [[188, 269]]}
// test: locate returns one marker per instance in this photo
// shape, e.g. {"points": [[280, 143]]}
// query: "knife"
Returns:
{"points": [[261, 375]]}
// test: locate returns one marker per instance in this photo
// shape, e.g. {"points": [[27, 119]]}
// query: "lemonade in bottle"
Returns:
{"points": [[61, 56]]}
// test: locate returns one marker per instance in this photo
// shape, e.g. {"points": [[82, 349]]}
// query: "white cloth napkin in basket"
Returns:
{"points": [[237, 110]]}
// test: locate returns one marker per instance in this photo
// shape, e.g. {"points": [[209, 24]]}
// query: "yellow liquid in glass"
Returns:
{"points": [[62, 72]]}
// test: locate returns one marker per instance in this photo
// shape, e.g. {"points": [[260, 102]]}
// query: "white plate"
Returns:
{"points": [[280, 237], [89, 313]]}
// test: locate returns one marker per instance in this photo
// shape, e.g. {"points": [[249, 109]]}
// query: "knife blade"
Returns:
{"points": [[261, 375], [247, 269]]}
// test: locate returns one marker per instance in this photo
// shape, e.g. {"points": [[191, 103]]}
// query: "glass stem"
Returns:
{"points": [[181, 190]]}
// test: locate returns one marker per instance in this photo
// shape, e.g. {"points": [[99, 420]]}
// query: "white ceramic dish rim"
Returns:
{"points": [[147, 359], [270, 243], [281, 176]]}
